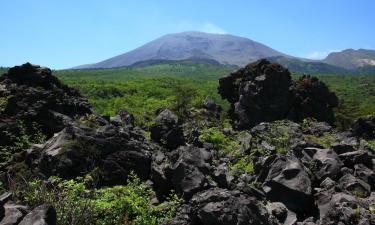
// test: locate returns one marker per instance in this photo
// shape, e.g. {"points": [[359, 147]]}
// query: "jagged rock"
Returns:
{"points": [[316, 128], [322, 162], [342, 148], [35, 96], [223, 207], [365, 174], [257, 93], [167, 130], [311, 98], [357, 157], [263, 91], [287, 176], [13, 214], [211, 106], [188, 169], [41, 215], [281, 212], [123, 118], [364, 127], [78, 150], [354, 185]]}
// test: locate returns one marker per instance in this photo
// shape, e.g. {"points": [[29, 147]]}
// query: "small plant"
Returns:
{"points": [[23, 140], [371, 145], [75, 204], [325, 140]]}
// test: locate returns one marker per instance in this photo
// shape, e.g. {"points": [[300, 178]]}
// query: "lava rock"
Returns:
{"points": [[311, 98], [188, 169], [76, 150], [34, 98], [364, 127], [263, 92], [223, 207], [287, 176], [257, 93], [123, 118], [167, 130], [323, 163]]}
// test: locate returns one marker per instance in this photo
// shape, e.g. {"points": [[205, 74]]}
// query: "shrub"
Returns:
{"points": [[228, 146], [75, 204]]}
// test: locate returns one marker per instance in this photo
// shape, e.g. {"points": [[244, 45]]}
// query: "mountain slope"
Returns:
{"points": [[351, 59], [311, 67], [223, 48]]}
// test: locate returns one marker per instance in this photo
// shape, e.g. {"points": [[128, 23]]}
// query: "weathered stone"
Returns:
{"points": [[41, 215]]}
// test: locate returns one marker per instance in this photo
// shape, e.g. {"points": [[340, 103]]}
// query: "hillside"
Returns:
{"points": [[351, 59], [223, 48]]}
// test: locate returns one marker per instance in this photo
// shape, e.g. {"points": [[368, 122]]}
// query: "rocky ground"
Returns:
{"points": [[281, 161]]}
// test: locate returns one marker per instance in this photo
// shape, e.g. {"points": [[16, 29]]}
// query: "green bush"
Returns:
{"points": [[228, 146], [76, 204], [20, 141]]}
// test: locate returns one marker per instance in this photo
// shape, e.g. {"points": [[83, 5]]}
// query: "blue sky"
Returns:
{"points": [[63, 34]]}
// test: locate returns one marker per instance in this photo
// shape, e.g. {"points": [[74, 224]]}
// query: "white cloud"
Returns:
{"points": [[207, 27], [212, 28], [320, 54]]}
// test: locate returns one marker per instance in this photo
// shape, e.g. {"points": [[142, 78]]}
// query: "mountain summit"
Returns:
{"points": [[223, 48]]}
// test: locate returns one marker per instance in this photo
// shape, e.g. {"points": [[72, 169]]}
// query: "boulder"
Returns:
{"points": [[223, 207], [323, 163], [34, 96], [189, 169], [310, 97], [77, 150], [263, 92], [287, 176], [122, 118], [41, 215], [13, 213], [364, 127], [167, 130], [357, 157], [365, 174], [355, 186], [257, 93]]}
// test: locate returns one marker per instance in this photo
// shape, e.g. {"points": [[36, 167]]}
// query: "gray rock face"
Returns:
{"points": [[287, 176], [322, 162], [41, 215], [223, 207], [188, 169], [225, 49], [13, 214]]}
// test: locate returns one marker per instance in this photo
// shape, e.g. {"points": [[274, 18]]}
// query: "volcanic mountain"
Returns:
{"points": [[223, 48]]}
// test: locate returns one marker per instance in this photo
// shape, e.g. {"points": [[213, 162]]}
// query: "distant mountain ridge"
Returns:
{"points": [[232, 50], [351, 59]]}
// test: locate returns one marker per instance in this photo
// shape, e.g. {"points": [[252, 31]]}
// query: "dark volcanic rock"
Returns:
{"points": [[257, 93], [188, 170], [364, 127], [311, 98], [78, 150], [167, 130], [263, 91], [34, 96], [287, 176], [223, 207]]}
